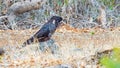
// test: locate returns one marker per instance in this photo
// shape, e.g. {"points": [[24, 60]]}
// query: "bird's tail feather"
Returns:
{"points": [[28, 42]]}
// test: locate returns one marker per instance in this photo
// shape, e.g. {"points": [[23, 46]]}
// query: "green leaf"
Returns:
{"points": [[66, 2], [107, 62], [111, 7], [92, 33], [116, 53], [59, 2], [113, 61]]}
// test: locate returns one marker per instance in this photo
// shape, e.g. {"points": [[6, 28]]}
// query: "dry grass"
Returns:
{"points": [[77, 48]]}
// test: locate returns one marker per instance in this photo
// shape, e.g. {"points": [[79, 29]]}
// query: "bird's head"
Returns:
{"points": [[56, 20]]}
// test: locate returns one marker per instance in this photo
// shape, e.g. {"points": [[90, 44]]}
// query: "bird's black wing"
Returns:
{"points": [[39, 35], [43, 32]]}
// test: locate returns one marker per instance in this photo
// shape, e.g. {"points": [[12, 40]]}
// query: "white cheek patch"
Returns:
{"points": [[53, 22]]}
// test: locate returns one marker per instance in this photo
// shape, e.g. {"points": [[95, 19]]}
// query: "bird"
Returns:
{"points": [[46, 31]]}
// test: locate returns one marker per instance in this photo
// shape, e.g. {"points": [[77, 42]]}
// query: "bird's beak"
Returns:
{"points": [[64, 21]]}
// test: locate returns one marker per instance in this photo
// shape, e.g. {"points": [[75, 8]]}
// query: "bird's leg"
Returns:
{"points": [[48, 44], [53, 47], [42, 46]]}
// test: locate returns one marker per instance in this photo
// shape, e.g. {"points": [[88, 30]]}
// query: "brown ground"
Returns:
{"points": [[76, 47]]}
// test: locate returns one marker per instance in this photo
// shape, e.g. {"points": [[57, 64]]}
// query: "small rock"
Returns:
{"points": [[2, 51], [64, 66]]}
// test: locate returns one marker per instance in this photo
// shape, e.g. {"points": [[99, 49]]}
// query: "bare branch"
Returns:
{"points": [[101, 19], [3, 18], [21, 7]]}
